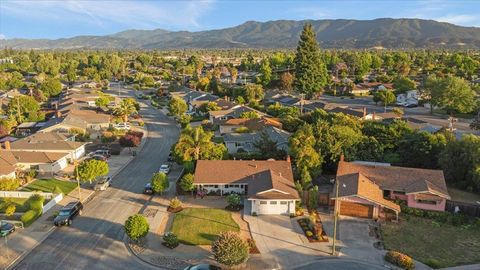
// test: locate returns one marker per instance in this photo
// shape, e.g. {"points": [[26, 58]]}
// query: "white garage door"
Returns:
{"points": [[272, 207]]}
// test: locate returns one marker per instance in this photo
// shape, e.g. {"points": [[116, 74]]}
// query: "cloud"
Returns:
{"points": [[461, 19], [2, 36], [140, 14]]}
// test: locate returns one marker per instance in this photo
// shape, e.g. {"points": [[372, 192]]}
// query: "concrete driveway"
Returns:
{"points": [[281, 242]]}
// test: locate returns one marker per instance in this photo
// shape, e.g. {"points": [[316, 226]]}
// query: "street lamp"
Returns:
{"points": [[335, 218], [75, 162]]}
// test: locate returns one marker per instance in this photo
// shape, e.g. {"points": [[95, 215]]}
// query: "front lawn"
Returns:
{"points": [[19, 204], [426, 240], [201, 226], [48, 185]]}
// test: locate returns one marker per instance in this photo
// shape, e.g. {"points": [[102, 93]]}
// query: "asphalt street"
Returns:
{"points": [[95, 240]]}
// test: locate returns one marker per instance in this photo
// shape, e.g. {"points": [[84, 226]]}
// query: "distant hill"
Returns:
{"points": [[386, 33]]}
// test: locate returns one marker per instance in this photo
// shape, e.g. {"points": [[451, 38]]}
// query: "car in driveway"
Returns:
{"points": [[203, 267], [410, 105], [6, 228], [101, 152], [148, 189], [103, 183], [67, 213], [99, 157], [164, 169]]}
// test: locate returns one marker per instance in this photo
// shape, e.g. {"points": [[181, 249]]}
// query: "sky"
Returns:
{"points": [[67, 18]]}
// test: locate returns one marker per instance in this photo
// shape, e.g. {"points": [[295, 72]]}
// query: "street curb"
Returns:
{"points": [[125, 241]]}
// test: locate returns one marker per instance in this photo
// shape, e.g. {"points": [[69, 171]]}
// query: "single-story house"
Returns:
{"points": [[87, 120], [244, 142], [409, 97], [49, 142], [232, 125], [366, 189], [43, 162], [268, 185], [216, 117], [7, 167]]}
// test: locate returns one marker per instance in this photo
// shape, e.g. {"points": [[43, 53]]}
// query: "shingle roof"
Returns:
{"points": [[409, 180], [32, 157], [260, 175], [45, 141]]}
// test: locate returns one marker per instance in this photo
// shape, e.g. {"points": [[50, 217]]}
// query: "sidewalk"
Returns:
{"points": [[23, 241]]}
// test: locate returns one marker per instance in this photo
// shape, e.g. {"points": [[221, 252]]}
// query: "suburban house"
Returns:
{"points": [[244, 142], [366, 189], [268, 185], [45, 163], [7, 169], [49, 142], [216, 117], [89, 121], [232, 125], [407, 98]]}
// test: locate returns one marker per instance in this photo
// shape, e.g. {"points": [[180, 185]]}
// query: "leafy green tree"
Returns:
{"points": [[286, 81], [195, 143], [186, 183], [240, 100], [185, 120], [460, 162], [15, 81], [254, 92], [385, 96], [23, 107], [421, 149], [266, 73], [136, 227], [403, 84], [102, 101], [89, 170], [51, 87], [302, 148], [126, 108], [249, 115], [159, 182], [453, 94], [368, 149], [209, 106], [177, 106], [310, 71], [267, 148], [230, 249]]}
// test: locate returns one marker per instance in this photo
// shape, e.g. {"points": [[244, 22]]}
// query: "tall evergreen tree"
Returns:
{"points": [[310, 72]]}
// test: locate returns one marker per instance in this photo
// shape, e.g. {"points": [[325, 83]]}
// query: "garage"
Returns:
{"points": [[356, 209], [270, 207]]}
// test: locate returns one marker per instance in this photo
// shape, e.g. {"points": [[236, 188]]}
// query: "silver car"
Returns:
{"points": [[103, 183]]}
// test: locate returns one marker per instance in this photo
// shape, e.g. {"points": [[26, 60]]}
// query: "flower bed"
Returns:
{"points": [[252, 247], [400, 259], [312, 228]]}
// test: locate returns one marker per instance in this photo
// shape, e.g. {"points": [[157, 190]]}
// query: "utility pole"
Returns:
{"points": [[302, 95], [335, 218], [78, 180]]}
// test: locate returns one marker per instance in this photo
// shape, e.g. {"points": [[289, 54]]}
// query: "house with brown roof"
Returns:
{"points": [[45, 163], [49, 142], [268, 185], [367, 189], [257, 124]]}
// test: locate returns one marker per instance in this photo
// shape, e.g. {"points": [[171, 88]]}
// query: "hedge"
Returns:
{"points": [[9, 184], [400, 259], [35, 202], [442, 217], [30, 216]]}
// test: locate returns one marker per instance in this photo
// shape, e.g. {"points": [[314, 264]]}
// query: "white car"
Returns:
{"points": [[123, 126], [103, 183], [164, 169]]}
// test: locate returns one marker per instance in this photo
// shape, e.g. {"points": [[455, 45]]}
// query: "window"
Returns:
{"points": [[273, 202], [216, 186], [283, 202], [426, 202], [227, 186], [263, 202], [236, 186]]}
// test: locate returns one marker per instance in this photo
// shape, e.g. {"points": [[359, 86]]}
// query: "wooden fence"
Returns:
{"points": [[472, 210]]}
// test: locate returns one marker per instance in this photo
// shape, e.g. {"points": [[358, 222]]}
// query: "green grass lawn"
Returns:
{"points": [[424, 240], [19, 203], [47, 185], [200, 226]]}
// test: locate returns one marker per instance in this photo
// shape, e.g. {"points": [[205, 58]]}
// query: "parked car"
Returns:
{"points": [[67, 213], [203, 267], [99, 157], [103, 183], [411, 105], [148, 189], [170, 156], [122, 126], [103, 152], [6, 228], [164, 169]]}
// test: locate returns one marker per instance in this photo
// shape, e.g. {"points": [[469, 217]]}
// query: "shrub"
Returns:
{"points": [[230, 249], [186, 183], [35, 202], [10, 210], [8, 184], [108, 137], [136, 227], [129, 141], [138, 134], [309, 233], [170, 240], [29, 217], [188, 166], [234, 199], [434, 263], [159, 182], [400, 259], [175, 203]]}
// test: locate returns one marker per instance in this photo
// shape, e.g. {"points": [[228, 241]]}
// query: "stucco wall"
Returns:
{"points": [[439, 206]]}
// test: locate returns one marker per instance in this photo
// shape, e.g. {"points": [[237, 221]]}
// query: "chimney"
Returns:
{"points": [[373, 116], [280, 174], [364, 112], [7, 145], [58, 114], [342, 158], [288, 159]]}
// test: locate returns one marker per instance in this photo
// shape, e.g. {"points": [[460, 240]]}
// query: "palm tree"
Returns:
{"points": [[194, 143], [126, 108]]}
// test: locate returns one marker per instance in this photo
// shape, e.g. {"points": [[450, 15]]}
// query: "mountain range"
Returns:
{"points": [[340, 33]]}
